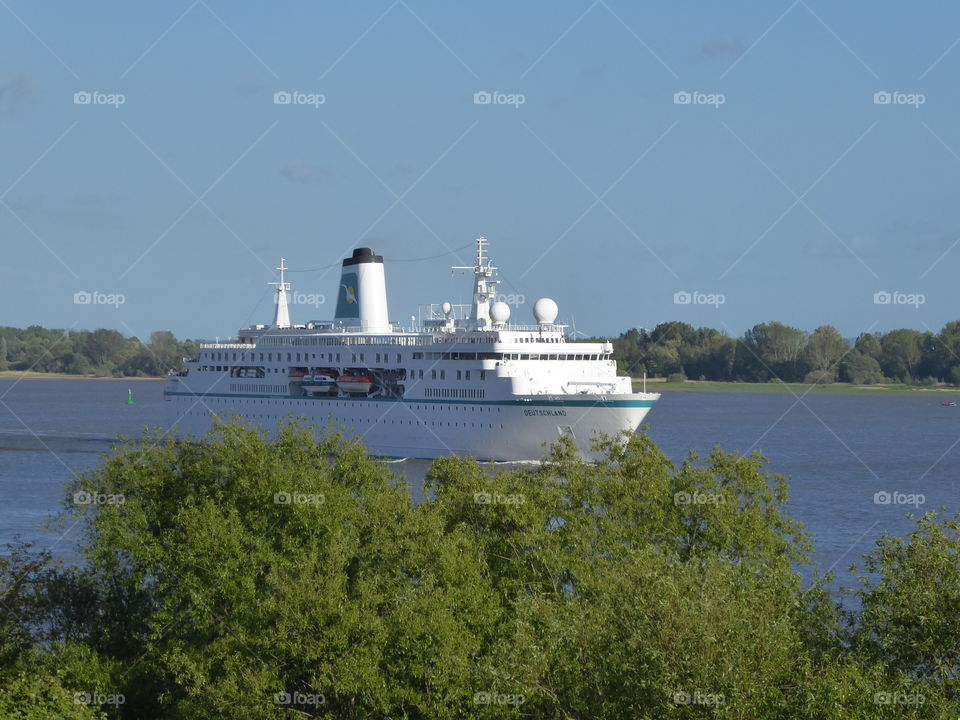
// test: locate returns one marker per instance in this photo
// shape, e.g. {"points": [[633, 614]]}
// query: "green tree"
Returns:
{"points": [[773, 350], [869, 345], [860, 369], [910, 594], [105, 347], [825, 348], [901, 353]]}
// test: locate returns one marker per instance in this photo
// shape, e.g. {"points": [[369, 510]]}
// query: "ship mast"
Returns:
{"points": [[483, 286], [282, 317]]}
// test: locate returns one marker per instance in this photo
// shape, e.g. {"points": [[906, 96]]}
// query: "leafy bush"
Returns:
{"points": [[297, 577]]}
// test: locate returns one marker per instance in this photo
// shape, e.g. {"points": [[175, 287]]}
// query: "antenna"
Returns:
{"points": [[483, 285]]}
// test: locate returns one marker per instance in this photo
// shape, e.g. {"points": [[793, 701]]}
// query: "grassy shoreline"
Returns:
{"points": [[657, 385], [31, 375]]}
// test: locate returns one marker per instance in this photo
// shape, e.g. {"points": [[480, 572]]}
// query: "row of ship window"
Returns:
{"points": [[385, 357], [378, 421], [403, 340], [376, 405], [260, 372]]}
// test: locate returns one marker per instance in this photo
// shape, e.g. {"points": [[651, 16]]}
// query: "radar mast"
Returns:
{"points": [[484, 287]]}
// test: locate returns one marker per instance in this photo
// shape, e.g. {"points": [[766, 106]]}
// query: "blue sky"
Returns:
{"points": [[796, 199]]}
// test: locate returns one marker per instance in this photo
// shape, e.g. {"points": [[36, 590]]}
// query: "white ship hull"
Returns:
{"points": [[519, 429]]}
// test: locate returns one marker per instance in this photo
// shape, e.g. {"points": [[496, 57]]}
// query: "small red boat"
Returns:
{"points": [[355, 383]]}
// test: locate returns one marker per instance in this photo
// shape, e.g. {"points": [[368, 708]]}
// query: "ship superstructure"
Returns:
{"points": [[463, 380]]}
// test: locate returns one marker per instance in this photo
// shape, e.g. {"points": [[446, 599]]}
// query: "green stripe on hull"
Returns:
{"points": [[411, 401]]}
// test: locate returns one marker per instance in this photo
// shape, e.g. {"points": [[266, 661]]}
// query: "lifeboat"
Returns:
{"points": [[355, 384], [318, 384]]}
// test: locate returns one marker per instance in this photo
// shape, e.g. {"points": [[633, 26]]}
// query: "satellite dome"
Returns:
{"points": [[500, 313], [446, 307], [545, 311]]}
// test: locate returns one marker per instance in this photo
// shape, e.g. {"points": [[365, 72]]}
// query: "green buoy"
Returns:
{"points": [[129, 396]]}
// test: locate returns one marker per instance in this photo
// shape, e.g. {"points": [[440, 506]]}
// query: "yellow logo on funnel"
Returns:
{"points": [[351, 294]]}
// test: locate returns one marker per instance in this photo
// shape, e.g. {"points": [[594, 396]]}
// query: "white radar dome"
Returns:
{"points": [[446, 307], [500, 312], [545, 311]]}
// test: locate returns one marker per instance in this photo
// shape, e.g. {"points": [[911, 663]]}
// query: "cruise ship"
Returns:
{"points": [[463, 379]]}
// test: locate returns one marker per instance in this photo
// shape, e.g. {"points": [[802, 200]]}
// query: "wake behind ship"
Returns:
{"points": [[464, 381]]}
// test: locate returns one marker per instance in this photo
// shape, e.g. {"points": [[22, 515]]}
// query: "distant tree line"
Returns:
{"points": [[98, 352], [771, 351]]}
